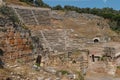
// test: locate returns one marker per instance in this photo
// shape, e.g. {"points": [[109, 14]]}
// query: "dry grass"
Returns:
{"points": [[16, 2], [4, 73], [118, 72], [82, 26]]}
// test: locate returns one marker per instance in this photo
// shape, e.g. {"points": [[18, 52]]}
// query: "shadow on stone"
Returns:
{"points": [[1, 64]]}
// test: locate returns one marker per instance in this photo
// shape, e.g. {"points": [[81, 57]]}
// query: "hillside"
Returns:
{"points": [[98, 25], [16, 2], [43, 44], [87, 25]]}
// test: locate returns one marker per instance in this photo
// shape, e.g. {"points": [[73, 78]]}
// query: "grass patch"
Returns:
{"points": [[118, 67], [80, 76], [63, 72]]}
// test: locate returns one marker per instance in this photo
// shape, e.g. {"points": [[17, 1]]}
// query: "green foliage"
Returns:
{"points": [[114, 26], [9, 12], [72, 8], [58, 7], [3, 30], [73, 61], [24, 27], [38, 65], [19, 60], [31, 47], [80, 76], [118, 67], [107, 13], [63, 72], [27, 1], [38, 3]]}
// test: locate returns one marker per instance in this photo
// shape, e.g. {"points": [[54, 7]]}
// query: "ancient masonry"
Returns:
{"points": [[15, 43], [58, 40], [31, 15]]}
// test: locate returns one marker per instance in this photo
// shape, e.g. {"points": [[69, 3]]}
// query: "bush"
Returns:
{"points": [[64, 72], [80, 76], [118, 67], [9, 13]]}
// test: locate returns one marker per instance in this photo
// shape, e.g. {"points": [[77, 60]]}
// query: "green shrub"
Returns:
{"points": [[39, 3], [64, 72], [118, 67], [9, 13]]}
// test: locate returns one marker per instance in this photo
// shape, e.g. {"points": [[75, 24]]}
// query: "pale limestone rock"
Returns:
{"points": [[1, 2]]}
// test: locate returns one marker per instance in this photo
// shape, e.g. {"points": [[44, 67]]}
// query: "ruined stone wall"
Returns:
{"points": [[31, 15], [59, 40], [52, 39], [16, 43]]}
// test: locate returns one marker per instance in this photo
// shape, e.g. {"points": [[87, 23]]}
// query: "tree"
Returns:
{"points": [[58, 7], [38, 3]]}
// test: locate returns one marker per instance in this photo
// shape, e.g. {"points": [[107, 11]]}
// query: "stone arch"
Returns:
{"points": [[96, 40]]}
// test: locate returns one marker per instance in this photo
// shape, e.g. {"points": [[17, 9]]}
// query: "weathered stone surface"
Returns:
{"points": [[32, 16], [72, 14], [13, 44]]}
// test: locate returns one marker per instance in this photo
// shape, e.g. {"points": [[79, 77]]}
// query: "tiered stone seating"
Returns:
{"points": [[42, 16], [74, 44], [57, 40], [26, 16], [54, 39], [31, 15]]}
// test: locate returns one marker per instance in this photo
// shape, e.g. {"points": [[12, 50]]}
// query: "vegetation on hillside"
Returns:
{"points": [[9, 14], [38, 3], [107, 13]]}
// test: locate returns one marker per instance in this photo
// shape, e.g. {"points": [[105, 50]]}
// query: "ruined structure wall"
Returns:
{"points": [[16, 44], [31, 15]]}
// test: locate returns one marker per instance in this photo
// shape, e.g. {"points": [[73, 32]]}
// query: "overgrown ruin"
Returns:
{"points": [[32, 16], [70, 45]]}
